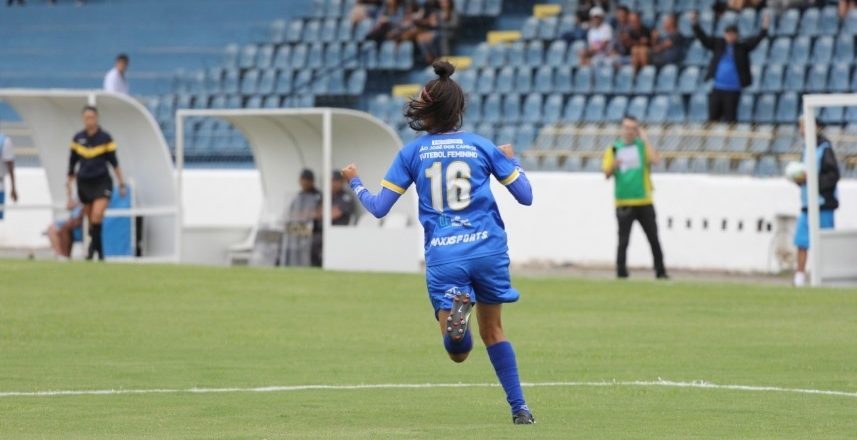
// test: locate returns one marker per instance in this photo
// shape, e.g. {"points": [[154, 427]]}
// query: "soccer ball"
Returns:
{"points": [[795, 171]]}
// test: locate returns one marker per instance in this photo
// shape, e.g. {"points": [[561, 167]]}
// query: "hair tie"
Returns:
{"points": [[425, 95]]}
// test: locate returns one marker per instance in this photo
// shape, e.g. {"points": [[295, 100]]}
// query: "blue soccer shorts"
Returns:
{"points": [[802, 228], [486, 279]]}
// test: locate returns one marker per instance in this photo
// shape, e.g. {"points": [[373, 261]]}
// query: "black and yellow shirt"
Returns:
{"points": [[92, 153]]}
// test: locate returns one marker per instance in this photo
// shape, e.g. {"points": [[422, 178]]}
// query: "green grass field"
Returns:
{"points": [[133, 327]]}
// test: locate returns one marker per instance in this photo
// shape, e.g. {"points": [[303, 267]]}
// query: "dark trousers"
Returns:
{"points": [[646, 216], [723, 105]]}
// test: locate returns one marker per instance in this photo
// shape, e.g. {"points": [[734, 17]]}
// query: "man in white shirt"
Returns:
{"points": [[115, 80], [7, 163], [598, 38]]}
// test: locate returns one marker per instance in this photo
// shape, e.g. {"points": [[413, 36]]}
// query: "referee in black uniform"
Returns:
{"points": [[91, 151]]}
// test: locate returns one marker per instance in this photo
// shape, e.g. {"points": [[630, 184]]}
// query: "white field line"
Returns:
{"points": [[289, 388]]}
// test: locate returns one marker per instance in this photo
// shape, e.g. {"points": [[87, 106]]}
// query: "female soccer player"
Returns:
{"points": [[466, 253], [92, 149]]}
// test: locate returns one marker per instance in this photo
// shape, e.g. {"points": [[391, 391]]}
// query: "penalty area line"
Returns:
{"points": [[395, 386]]}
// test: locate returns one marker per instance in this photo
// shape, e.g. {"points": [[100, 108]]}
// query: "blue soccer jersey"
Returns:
{"points": [[452, 173]]}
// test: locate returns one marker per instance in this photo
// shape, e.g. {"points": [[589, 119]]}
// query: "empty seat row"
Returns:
{"points": [[814, 78], [300, 30], [366, 55], [250, 82]]}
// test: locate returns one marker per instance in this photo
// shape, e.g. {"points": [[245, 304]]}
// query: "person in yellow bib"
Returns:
{"points": [[628, 161]]}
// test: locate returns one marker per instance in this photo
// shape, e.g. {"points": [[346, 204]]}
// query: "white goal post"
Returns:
{"points": [[833, 253]]}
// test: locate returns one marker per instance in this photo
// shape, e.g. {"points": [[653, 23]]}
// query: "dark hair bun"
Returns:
{"points": [[443, 69]]}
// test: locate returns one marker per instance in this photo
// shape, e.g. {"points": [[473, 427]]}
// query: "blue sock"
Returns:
{"points": [[502, 356], [462, 346]]}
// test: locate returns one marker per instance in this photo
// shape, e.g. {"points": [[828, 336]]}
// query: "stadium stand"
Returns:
{"points": [[524, 81]]}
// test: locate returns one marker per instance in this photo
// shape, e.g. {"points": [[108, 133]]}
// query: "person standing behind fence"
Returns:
{"points": [[828, 177], [729, 68], [92, 150], [7, 163], [628, 161]]}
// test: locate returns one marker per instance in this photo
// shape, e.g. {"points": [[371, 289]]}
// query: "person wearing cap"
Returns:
{"points": [[342, 201], [729, 68], [598, 39]]}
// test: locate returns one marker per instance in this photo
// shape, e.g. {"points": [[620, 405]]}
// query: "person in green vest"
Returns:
{"points": [[628, 161]]}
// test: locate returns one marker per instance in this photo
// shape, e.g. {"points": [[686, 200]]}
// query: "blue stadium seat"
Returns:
{"points": [[491, 108], [515, 54], [282, 60], [698, 108], [616, 109], [295, 30], [583, 79], [496, 55], [493, 8], [231, 55], [832, 115], [772, 79], [727, 18], [800, 50], [312, 29], [556, 53], [664, 6], [248, 57], [787, 22], [362, 30], [760, 54], [467, 80], [573, 163], [624, 80], [768, 166], [230, 81], [787, 108], [638, 107], [506, 135], [505, 80], [675, 110], [535, 53], [486, 130], [315, 56], [552, 112], [698, 164], [346, 31], [764, 112], [320, 83], [475, 8], [548, 27], [329, 29], [851, 115], [473, 108], [849, 26], [486, 81], [688, 82], [594, 110], [303, 81], [745, 107], [844, 49], [816, 80], [218, 102], [532, 111], [336, 83], [829, 21], [264, 56], [277, 31], [214, 80], [530, 30], [574, 107], [405, 56], [756, 72], [197, 82], [563, 81], [350, 56], [284, 82], [838, 79], [658, 109], [267, 81], [253, 102], [545, 140], [333, 55], [567, 24], [696, 54], [299, 56], [747, 21], [603, 79], [795, 77], [667, 78], [523, 79], [809, 22], [572, 58], [387, 55], [679, 165], [525, 136], [780, 51], [201, 101], [822, 50], [271, 101], [645, 80], [543, 82], [512, 108]]}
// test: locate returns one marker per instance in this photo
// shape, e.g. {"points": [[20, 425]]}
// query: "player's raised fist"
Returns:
{"points": [[349, 172], [507, 150]]}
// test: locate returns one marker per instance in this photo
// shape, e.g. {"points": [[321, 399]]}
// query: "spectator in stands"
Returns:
{"points": [[7, 164], [621, 25], [729, 68], [846, 6], [115, 80], [628, 161], [635, 42], [391, 13], [584, 9], [12, 2], [828, 177], [598, 39], [364, 9], [62, 233], [304, 218], [436, 39], [92, 150], [342, 199], [666, 48]]}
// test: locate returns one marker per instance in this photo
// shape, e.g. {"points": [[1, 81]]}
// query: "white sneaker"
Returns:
{"points": [[800, 279]]}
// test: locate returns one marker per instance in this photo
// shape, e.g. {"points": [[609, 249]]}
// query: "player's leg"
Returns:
{"points": [[625, 219], [801, 242], [715, 105], [99, 206], [447, 284], [647, 218], [730, 106], [493, 287]]}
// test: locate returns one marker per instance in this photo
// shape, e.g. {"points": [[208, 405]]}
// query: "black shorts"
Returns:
{"points": [[91, 189]]}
